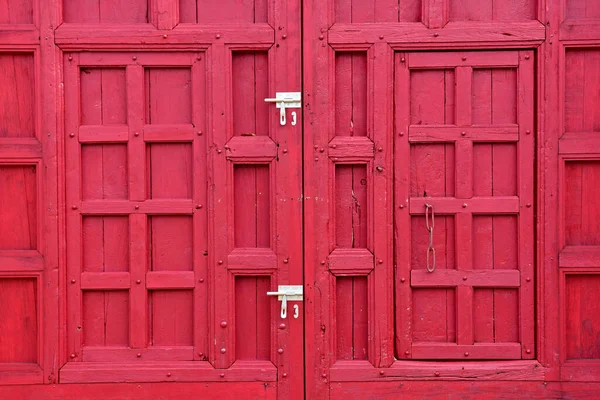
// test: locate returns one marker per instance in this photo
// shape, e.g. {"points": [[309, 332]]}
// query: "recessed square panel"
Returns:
{"points": [[582, 316], [16, 12], [170, 170], [171, 243], [102, 11], [168, 95], [19, 320], [104, 172], [105, 241], [18, 207], [105, 318], [103, 96], [17, 95], [582, 215], [582, 90]]}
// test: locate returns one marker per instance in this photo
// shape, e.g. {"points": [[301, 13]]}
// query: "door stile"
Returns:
{"points": [[382, 344]]}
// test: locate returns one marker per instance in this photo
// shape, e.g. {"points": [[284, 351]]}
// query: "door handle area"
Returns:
{"points": [[285, 294]]}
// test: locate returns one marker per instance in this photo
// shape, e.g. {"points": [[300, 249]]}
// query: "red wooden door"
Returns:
{"points": [[183, 199]]}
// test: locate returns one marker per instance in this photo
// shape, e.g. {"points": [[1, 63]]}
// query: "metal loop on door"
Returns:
{"points": [[430, 225]]}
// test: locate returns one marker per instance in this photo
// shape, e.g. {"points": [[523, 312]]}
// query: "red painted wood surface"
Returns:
{"points": [[149, 198]]}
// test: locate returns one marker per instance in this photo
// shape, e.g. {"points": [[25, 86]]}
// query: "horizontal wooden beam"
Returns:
{"points": [[476, 205], [103, 133], [123, 207], [580, 30], [19, 35], [16, 148], [251, 148], [442, 278], [460, 58], [183, 371], [513, 370], [443, 133], [579, 256], [21, 261], [479, 351], [169, 133], [125, 354], [184, 36], [105, 281], [343, 148], [252, 261], [161, 280], [351, 262], [455, 34], [579, 143]]}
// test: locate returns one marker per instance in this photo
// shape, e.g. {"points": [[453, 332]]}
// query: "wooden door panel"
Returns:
{"points": [[468, 156]]}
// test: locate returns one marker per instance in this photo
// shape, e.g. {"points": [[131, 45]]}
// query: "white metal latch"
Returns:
{"points": [[288, 292], [285, 100]]}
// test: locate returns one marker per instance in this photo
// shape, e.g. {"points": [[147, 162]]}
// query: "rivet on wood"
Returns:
{"points": [[285, 151], [199, 133], [322, 262], [198, 206], [284, 37], [74, 207], [220, 262], [528, 205], [528, 132], [464, 278], [323, 375], [466, 354], [72, 355], [437, 374], [70, 58], [201, 280], [223, 350], [316, 147], [223, 324], [137, 134], [280, 351], [218, 36], [287, 260], [402, 279], [381, 372], [528, 279], [464, 58], [380, 149], [316, 158], [139, 355], [401, 133], [222, 375], [200, 354], [379, 168], [333, 146], [406, 352], [164, 36], [134, 58], [219, 151], [463, 133], [527, 57], [137, 207], [380, 261], [199, 58], [322, 150], [528, 351], [381, 37], [436, 34], [73, 281], [402, 60], [321, 37], [71, 135], [401, 206], [464, 205], [138, 281], [168, 374], [281, 326], [284, 375]]}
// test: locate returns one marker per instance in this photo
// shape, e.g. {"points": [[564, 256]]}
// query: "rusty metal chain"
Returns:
{"points": [[430, 227]]}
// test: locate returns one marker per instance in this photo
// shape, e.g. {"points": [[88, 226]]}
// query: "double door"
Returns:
{"points": [[388, 212]]}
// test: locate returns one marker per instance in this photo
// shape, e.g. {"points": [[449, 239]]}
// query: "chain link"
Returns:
{"points": [[430, 225]]}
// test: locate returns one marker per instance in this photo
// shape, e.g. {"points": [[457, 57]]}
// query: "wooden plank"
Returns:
{"points": [[138, 296], [169, 133], [435, 13], [19, 375], [21, 260], [252, 261], [455, 34], [103, 134], [105, 280], [351, 148], [476, 278], [81, 36], [351, 262], [136, 156], [164, 14], [251, 149], [159, 207], [170, 280], [479, 351], [514, 370], [441, 133], [579, 143], [343, 318], [464, 93], [580, 256], [126, 355], [19, 148], [478, 205]]}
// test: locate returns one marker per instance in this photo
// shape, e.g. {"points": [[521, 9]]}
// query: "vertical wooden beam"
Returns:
{"points": [[136, 148], [381, 69], [164, 14], [401, 204], [464, 293], [435, 13], [464, 97], [525, 190], [138, 295]]}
